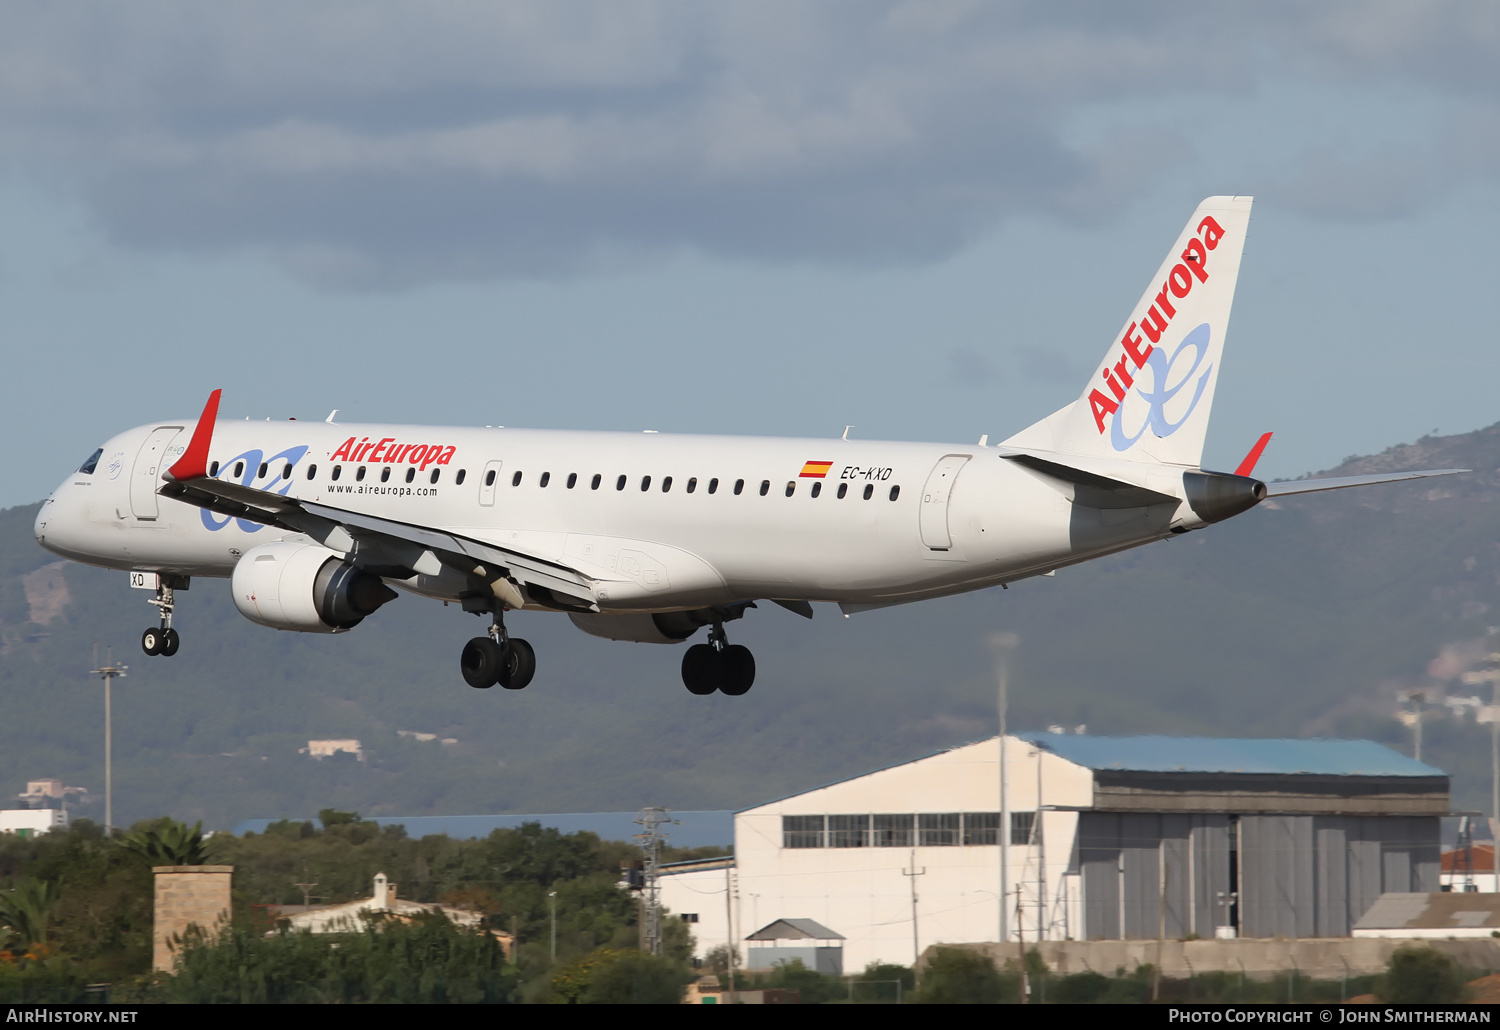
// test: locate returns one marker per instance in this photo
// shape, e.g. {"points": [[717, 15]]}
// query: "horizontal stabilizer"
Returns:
{"points": [[1311, 486]]}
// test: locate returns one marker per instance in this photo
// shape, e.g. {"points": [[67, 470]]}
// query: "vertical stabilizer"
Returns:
{"points": [[1150, 397]]}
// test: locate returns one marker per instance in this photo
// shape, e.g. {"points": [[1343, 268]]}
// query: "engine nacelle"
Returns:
{"points": [[660, 628], [304, 587]]}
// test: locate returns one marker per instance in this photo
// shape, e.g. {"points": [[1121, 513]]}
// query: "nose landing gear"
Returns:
{"points": [[718, 666], [163, 640], [498, 658]]}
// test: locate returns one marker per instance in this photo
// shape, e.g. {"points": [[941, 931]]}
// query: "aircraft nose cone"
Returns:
{"points": [[39, 527]]}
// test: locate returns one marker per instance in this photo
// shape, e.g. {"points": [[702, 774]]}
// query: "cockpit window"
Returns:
{"points": [[88, 467]]}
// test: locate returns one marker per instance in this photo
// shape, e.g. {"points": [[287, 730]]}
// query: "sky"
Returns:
{"points": [[924, 219]]}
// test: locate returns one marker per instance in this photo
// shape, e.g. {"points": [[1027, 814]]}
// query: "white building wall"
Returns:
{"points": [[32, 820], [865, 893]]}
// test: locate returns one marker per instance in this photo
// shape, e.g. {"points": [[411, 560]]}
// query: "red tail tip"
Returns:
{"points": [[1248, 465]]}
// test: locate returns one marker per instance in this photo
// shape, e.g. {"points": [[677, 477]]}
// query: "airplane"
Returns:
{"points": [[650, 537]]}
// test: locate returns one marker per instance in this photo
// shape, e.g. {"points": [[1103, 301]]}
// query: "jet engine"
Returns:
{"points": [[304, 587]]}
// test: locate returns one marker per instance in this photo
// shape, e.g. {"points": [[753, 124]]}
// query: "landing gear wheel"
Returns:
{"points": [[519, 665], [482, 661], [738, 670], [170, 642], [151, 641], [700, 669]]}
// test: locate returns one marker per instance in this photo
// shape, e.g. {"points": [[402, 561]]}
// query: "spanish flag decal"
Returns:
{"points": [[815, 469]]}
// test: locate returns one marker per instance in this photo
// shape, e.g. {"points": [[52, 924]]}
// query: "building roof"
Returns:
{"points": [[1456, 910], [1316, 757], [795, 930]]}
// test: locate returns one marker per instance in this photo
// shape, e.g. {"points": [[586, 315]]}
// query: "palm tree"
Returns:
{"points": [[168, 842], [25, 911]]}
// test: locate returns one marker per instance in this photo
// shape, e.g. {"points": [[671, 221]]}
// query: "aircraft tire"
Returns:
{"points": [[519, 665], [151, 641], [701, 667], [481, 663], [170, 642], [738, 670]]}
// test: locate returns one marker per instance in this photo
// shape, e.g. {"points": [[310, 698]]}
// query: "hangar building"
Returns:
{"points": [[1111, 837]]}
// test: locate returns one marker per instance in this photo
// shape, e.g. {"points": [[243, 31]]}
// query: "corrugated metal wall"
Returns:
{"points": [[1299, 875]]}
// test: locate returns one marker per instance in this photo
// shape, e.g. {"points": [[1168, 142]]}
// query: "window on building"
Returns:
{"points": [[1023, 827], [980, 827], [939, 829], [802, 831], [848, 831], [689, 917], [892, 831]]}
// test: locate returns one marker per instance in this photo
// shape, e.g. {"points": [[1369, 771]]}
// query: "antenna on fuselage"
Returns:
{"points": [[846, 433], [332, 413]]}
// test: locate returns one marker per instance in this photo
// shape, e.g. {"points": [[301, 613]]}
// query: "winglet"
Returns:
{"points": [[1248, 465], [194, 462]]}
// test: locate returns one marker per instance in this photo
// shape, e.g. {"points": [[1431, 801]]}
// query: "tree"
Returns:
{"points": [[1422, 975], [958, 976], [26, 911], [168, 842]]}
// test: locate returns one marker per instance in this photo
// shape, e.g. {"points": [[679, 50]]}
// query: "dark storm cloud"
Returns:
{"points": [[382, 144]]}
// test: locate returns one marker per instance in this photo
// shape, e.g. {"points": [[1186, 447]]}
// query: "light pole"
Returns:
{"points": [[1413, 718], [1491, 714], [552, 900], [1002, 644], [108, 672]]}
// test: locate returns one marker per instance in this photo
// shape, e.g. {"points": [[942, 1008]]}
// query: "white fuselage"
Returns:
{"points": [[890, 522]]}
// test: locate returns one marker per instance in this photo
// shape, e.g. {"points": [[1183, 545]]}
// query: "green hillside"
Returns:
{"points": [[1303, 617]]}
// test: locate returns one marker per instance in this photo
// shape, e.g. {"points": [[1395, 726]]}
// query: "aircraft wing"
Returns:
{"points": [[385, 546], [1309, 486]]}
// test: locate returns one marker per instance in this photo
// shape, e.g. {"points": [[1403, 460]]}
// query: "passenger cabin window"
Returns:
{"points": [[713, 486], [262, 473], [843, 489], [645, 483], [817, 489], [336, 470], [666, 484], [385, 474], [286, 473], [791, 487], [515, 480], [620, 483], [411, 474], [359, 474], [739, 487], [458, 480], [489, 478], [546, 478], [239, 469], [312, 470], [692, 484], [213, 470], [869, 490], [594, 483], [434, 477], [572, 480], [765, 487], [895, 492], [92, 462]]}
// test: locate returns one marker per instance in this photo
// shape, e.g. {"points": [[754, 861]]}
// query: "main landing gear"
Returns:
{"points": [[498, 658], [163, 639], [718, 666]]}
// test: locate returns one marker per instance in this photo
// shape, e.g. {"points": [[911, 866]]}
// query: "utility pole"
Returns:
{"points": [[729, 928], [912, 874], [651, 840], [108, 672]]}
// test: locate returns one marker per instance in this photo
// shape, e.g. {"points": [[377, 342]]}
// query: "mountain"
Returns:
{"points": [[1306, 616]]}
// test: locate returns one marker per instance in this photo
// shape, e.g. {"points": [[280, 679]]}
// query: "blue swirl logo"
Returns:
{"points": [[252, 460], [1163, 390]]}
